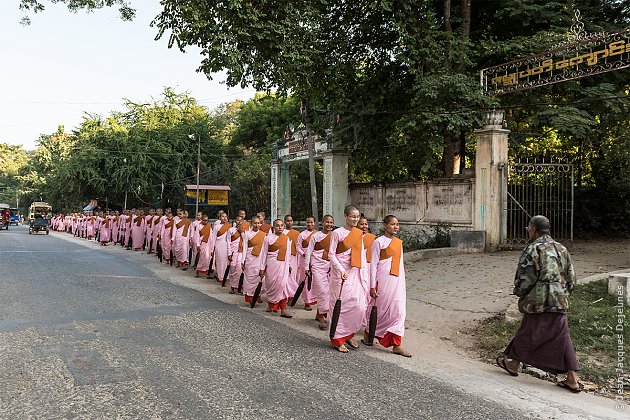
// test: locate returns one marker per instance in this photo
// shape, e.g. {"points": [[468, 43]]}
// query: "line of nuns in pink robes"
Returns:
{"points": [[236, 247]]}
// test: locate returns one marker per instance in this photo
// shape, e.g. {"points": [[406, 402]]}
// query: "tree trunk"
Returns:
{"points": [[466, 18], [462, 151], [451, 149], [447, 16]]}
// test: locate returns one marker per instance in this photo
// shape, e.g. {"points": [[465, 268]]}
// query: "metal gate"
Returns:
{"points": [[539, 189]]}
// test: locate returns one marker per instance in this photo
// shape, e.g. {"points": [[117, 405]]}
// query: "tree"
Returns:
{"points": [[37, 6]]}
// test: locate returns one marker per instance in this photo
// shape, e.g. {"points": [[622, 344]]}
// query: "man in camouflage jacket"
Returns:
{"points": [[545, 277], [543, 283]]}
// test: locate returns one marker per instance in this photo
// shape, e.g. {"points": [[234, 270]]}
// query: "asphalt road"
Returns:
{"points": [[87, 334]]}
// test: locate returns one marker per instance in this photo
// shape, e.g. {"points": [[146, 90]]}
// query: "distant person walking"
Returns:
{"points": [[544, 281]]}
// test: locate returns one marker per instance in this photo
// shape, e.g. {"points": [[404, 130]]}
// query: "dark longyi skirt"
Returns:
{"points": [[543, 341]]}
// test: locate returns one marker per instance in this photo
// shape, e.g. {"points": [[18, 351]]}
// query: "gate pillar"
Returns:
{"points": [[335, 192], [280, 189], [491, 183]]}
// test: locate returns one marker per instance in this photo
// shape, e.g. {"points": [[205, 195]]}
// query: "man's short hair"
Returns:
{"points": [[541, 224]]}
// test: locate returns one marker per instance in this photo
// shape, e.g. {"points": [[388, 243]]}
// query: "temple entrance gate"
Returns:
{"points": [[294, 148]]}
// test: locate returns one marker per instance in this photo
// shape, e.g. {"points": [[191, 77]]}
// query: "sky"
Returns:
{"points": [[64, 64]]}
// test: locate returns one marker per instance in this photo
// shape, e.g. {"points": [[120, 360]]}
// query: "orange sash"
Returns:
{"points": [[354, 243], [307, 239], [129, 219], [266, 227], [325, 245], [224, 228], [280, 245], [245, 225], [205, 232], [237, 235], [293, 235], [169, 225], [139, 220], [368, 240], [106, 223], [394, 250], [256, 242], [186, 224]]}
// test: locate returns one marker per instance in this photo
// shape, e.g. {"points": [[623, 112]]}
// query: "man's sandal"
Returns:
{"points": [[500, 361]]}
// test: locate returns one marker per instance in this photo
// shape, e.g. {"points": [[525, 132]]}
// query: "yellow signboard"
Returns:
{"points": [[191, 195], [217, 197]]}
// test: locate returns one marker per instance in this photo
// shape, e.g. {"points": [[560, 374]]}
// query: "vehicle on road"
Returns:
{"points": [[5, 216], [15, 216], [39, 224], [41, 208]]}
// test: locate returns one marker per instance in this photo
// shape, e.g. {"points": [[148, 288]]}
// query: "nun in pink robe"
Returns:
{"points": [[91, 227], [221, 246], [157, 229], [137, 232], [128, 221], [60, 225], [166, 235], [235, 250], [275, 262], [317, 260], [148, 230], [194, 238], [308, 296], [252, 247], [181, 241], [206, 245], [104, 230], [391, 288], [353, 302], [115, 225]]}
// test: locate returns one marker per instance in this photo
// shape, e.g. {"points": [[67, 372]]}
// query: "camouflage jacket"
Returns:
{"points": [[545, 277]]}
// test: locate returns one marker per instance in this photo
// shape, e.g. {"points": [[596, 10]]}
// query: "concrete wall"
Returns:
{"points": [[420, 203]]}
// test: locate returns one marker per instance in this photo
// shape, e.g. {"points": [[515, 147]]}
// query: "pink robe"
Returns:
{"points": [[392, 293], [166, 235], [314, 259], [220, 252], [235, 264], [293, 282], [181, 244], [157, 230], [115, 226], [308, 296], [148, 231], [127, 228], [103, 232], [277, 272], [353, 303], [252, 266], [137, 232], [60, 225], [194, 238], [205, 251], [91, 227]]}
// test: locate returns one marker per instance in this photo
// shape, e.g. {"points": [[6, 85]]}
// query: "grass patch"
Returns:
{"points": [[593, 323]]}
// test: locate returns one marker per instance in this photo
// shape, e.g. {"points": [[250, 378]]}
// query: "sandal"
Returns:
{"points": [[563, 384], [353, 344], [500, 361], [342, 349], [365, 343], [286, 316]]}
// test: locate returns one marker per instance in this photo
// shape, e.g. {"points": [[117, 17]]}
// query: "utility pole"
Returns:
{"points": [[311, 160], [192, 137], [127, 184]]}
